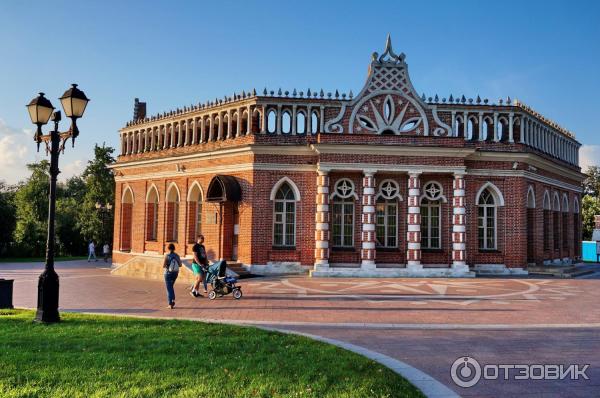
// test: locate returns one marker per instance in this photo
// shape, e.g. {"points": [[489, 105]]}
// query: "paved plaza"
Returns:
{"points": [[426, 323]]}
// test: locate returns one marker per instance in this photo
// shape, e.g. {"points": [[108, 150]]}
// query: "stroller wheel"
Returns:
{"points": [[212, 295], [237, 294]]}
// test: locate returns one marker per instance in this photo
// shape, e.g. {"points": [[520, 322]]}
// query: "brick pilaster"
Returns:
{"points": [[368, 221], [413, 227], [322, 221], [459, 234]]}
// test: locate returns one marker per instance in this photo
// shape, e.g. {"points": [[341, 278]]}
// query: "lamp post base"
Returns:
{"points": [[47, 309]]}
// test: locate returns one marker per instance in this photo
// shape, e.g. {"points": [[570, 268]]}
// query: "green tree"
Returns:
{"points": [[7, 215], [31, 205], [99, 188], [590, 207], [591, 185]]}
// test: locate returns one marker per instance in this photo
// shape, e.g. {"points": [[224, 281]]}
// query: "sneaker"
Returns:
{"points": [[193, 293]]}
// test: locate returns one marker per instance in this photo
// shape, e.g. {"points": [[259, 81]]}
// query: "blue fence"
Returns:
{"points": [[588, 251]]}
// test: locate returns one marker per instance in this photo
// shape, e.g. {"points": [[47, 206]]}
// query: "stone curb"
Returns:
{"points": [[429, 386]]}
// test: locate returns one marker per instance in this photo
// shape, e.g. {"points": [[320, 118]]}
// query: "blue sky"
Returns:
{"points": [[173, 53]]}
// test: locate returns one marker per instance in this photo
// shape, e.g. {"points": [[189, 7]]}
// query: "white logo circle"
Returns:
{"points": [[465, 372]]}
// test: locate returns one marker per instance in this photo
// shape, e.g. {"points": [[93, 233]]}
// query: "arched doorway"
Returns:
{"points": [[126, 219], [224, 194]]}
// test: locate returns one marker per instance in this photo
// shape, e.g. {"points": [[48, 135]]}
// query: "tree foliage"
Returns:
{"points": [[31, 205], [7, 216], [590, 203], [96, 224], [591, 185], [24, 209]]}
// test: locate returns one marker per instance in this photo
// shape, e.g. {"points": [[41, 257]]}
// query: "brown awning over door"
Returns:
{"points": [[223, 188]]}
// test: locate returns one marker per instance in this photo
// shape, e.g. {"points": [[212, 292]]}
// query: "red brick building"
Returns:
{"points": [[386, 182]]}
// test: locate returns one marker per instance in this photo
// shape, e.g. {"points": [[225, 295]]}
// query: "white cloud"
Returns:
{"points": [[70, 169], [14, 152], [589, 155]]}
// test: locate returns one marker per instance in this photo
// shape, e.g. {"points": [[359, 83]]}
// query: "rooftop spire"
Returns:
{"points": [[389, 52]]}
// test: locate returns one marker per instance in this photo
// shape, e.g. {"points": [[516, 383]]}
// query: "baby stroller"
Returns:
{"points": [[222, 284]]}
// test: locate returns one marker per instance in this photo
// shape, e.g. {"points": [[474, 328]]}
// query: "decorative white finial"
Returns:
{"points": [[389, 51]]}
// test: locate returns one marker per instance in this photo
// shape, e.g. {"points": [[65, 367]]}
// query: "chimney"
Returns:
{"points": [[139, 109]]}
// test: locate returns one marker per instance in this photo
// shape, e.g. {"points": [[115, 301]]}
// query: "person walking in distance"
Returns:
{"points": [[199, 266], [171, 265], [106, 251], [92, 251]]}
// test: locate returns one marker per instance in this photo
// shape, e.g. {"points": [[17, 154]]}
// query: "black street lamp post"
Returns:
{"points": [[41, 110]]}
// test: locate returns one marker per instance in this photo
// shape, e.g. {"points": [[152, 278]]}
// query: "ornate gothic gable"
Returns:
{"points": [[388, 103]]}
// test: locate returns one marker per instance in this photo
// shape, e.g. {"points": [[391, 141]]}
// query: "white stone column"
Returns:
{"points": [[413, 227], [172, 135], [238, 125], [194, 131], [322, 221], [368, 251], [294, 115], [249, 121], [229, 123], [278, 120], [496, 127], [510, 128], [459, 229], [454, 130], [220, 128], [522, 130], [263, 120]]}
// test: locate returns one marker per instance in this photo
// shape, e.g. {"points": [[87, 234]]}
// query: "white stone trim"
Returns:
{"points": [[282, 181], [547, 202], [125, 189], [494, 190], [565, 207], [192, 185], [441, 197], [171, 185], [531, 191], [153, 187]]}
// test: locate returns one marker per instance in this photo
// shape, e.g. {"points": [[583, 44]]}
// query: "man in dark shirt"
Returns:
{"points": [[199, 266]]}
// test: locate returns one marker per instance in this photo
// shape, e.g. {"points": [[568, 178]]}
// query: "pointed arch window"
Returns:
{"points": [[152, 215], [547, 216], [431, 221], [576, 228], [284, 217], [556, 221], [126, 219], [194, 213], [487, 220], [172, 224], [386, 214], [565, 222], [343, 213]]}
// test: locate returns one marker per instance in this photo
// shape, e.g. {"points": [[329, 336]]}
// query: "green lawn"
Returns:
{"points": [[102, 356], [41, 259]]}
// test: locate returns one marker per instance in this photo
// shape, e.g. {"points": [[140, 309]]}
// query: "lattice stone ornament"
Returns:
{"points": [[389, 116], [433, 191], [344, 188], [389, 189]]}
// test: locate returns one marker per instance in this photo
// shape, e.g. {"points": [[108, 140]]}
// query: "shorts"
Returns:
{"points": [[197, 269]]}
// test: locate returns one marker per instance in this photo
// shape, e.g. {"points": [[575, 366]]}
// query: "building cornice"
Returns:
{"points": [[529, 158], [392, 150], [525, 174]]}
